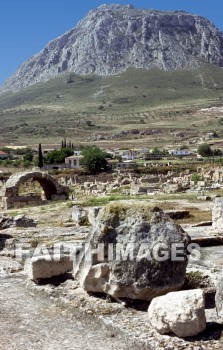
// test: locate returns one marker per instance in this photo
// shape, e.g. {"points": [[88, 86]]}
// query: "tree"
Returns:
{"points": [[58, 156], [28, 155], [94, 159], [205, 150], [156, 150], [40, 156]]}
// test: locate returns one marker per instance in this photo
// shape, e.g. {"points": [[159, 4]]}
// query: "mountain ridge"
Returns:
{"points": [[112, 38]]}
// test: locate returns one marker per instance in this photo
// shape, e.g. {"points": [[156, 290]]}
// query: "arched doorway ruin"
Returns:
{"points": [[51, 188]]}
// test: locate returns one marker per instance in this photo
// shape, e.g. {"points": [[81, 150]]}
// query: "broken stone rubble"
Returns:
{"points": [[119, 316], [7, 221]]}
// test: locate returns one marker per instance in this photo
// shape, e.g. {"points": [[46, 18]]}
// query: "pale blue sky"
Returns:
{"points": [[26, 26]]}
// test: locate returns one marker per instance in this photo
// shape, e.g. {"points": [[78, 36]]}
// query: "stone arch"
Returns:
{"points": [[50, 186]]}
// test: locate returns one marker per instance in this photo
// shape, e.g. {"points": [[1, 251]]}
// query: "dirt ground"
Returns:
{"points": [[31, 322]]}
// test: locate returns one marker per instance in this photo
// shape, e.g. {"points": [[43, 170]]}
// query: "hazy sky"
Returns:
{"points": [[26, 26]]}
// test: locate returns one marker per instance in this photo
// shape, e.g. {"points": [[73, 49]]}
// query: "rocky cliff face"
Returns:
{"points": [[112, 38]]}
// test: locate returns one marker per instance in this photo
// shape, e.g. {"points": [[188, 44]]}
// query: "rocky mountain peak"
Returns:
{"points": [[112, 38]]}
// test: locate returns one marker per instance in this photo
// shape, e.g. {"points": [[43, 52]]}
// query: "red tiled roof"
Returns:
{"points": [[3, 153]]}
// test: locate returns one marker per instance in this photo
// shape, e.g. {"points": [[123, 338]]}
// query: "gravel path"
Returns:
{"points": [[31, 322]]}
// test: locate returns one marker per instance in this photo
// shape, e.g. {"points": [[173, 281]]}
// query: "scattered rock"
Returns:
{"points": [[7, 221], [204, 198], [43, 267], [202, 224], [80, 216], [23, 221], [93, 214], [182, 313]]}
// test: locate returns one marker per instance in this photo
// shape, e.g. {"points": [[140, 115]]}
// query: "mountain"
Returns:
{"points": [[112, 38]]}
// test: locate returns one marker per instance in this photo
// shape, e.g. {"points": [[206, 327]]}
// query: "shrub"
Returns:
{"points": [[205, 150], [196, 177]]}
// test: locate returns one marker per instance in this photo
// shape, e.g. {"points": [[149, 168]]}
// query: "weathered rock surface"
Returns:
{"points": [[114, 37], [84, 216], [24, 221], [132, 234], [38, 268], [79, 216], [219, 296], [217, 214], [181, 313], [7, 221]]}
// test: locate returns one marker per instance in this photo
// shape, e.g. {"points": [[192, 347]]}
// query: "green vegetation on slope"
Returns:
{"points": [[78, 106]]}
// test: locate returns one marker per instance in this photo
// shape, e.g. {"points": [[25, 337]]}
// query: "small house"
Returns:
{"points": [[180, 153], [73, 162], [3, 155]]}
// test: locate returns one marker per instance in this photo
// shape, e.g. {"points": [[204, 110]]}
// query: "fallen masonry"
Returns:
{"points": [[137, 227], [137, 224], [181, 313], [39, 268], [7, 221]]}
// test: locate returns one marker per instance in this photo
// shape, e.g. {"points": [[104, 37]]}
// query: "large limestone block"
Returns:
{"points": [[217, 214], [128, 239], [41, 267], [219, 296], [181, 313]]}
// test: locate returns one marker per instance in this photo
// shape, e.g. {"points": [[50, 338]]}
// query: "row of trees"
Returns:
{"points": [[93, 159], [66, 144]]}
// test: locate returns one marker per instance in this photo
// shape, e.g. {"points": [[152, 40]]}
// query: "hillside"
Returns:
{"points": [[91, 108]]}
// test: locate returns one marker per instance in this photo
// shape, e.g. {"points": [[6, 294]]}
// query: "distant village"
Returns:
{"points": [[119, 158]]}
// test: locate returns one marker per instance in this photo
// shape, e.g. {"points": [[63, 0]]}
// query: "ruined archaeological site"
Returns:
{"points": [[142, 270], [111, 175]]}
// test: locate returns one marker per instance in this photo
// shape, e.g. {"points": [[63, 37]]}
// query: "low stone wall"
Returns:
{"points": [[19, 202]]}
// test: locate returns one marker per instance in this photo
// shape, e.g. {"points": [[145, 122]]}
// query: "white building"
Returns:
{"points": [[73, 161], [129, 155], [180, 153]]}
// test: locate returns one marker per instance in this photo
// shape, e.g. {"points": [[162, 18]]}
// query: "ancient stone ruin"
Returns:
{"points": [[51, 190], [137, 228], [217, 214]]}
